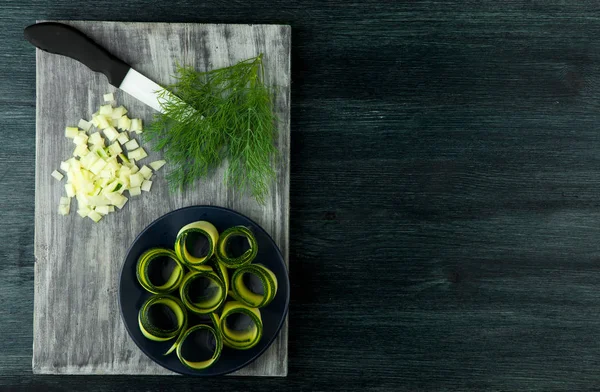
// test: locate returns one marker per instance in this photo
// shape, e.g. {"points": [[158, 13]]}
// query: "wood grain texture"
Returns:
{"points": [[77, 325], [444, 194]]}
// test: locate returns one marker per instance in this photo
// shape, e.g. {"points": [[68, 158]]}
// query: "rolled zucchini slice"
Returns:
{"points": [[202, 292], [195, 244], [221, 270], [159, 271], [196, 346], [225, 239], [240, 325], [161, 318], [246, 285]]}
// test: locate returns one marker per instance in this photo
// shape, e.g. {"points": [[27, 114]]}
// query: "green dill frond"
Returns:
{"points": [[232, 118]]}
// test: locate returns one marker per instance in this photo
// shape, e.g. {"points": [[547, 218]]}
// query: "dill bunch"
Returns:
{"points": [[232, 119]]}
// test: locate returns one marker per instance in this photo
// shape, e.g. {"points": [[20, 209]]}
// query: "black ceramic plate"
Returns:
{"points": [[162, 233]]}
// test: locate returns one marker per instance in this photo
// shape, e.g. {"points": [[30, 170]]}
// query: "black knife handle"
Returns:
{"points": [[65, 40]]}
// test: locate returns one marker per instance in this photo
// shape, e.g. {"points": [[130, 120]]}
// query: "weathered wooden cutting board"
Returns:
{"points": [[77, 326]]}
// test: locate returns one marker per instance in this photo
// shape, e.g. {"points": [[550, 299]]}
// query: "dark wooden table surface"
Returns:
{"points": [[445, 193]]}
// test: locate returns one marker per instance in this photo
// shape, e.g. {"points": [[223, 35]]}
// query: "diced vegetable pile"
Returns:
{"points": [[100, 171]]}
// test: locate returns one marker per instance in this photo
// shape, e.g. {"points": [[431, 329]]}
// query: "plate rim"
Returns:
{"points": [[269, 343]]}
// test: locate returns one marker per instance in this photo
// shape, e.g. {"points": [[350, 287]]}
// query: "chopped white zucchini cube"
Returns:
{"points": [[104, 210], [109, 188], [88, 160], [146, 172], [146, 185], [136, 125], [135, 180], [157, 164], [116, 198], [135, 191], [89, 188], [100, 152], [142, 153], [104, 182], [64, 209], [109, 97], [82, 199], [97, 167], [85, 125], [138, 154], [125, 181], [70, 190], [110, 195], [99, 200], [102, 122], [119, 112], [123, 138], [111, 208], [131, 145], [124, 170], [124, 159], [95, 121], [113, 164], [71, 132], [81, 150], [106, 110], [122, 204], [134, 169], [115, 149], [96, 139], [56, 174], [80, 139], [93, 215], [124, 123], [80, 178], [111, 133], [64, 166], [83, 212], [105, 174]]}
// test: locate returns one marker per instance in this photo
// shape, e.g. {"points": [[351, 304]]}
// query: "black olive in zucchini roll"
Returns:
{"points": [[202, 292], [159, 271], [240, 325], [254, 285], [195, 243], [225, 247]]}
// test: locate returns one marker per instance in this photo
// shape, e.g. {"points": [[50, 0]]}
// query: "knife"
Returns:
{"points": [[65, 40]]}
